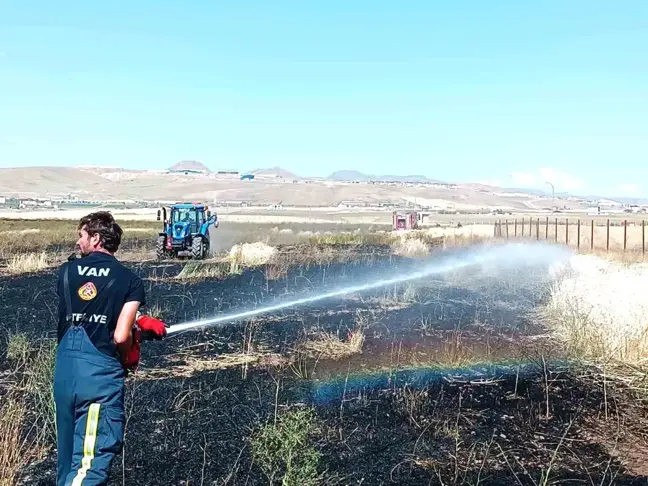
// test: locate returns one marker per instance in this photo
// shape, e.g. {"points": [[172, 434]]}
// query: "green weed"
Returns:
{"points": [[284, 450]]}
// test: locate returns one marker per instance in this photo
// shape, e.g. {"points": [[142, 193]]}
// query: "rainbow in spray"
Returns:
{"points": [[332, 389]]}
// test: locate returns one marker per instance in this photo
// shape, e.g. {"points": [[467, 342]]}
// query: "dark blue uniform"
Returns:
{"points": [[89, 376]]}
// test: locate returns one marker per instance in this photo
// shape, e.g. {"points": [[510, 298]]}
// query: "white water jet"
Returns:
{"points": [[487, 259]]}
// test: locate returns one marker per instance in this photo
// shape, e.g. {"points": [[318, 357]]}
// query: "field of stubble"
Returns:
{"points": [[486, 374]]}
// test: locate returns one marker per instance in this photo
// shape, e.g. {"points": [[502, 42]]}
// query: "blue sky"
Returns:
{"points": [[507, 91]]}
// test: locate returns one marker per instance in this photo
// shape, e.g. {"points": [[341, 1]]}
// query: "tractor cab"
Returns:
{"points": [[189, 218], [186, 230]]}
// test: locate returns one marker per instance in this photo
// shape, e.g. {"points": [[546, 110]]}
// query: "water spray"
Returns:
{"points": [[511, 255]]}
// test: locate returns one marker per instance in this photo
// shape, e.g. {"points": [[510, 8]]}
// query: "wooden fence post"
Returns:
{"points": [[592, 237], [556, 234], [537, 228], [515, 227], [547, 228], [522, 228], [607, 245], [578, 235], [506, 222], [566, 231]]}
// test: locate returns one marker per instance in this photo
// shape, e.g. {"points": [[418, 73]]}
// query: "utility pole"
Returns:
{"points": [[553, 195]]}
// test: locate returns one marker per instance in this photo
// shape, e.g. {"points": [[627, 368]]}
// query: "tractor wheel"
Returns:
{"points": [[159, 247], [197, 248]]}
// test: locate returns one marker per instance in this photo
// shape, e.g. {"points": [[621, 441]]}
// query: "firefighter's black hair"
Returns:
{"points": [[103, 223]]}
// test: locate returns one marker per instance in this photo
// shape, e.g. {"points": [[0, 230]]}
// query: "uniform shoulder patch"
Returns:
{"points": [[87, 291]]}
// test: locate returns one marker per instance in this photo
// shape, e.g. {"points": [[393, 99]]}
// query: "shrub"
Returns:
{"points": [[284, 451]]}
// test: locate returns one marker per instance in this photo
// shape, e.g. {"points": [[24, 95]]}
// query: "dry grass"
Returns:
{"points": [[330, 346], [157, 311], [13, 447], [247, 255], [194, 364], [28, 262], [455, 352], [411, 248], [401, 296], [599, 309], [39, 385], [198, 270], [56, 236], [616, 255], [26, 433], [306, 256], [352, 238], [569, 234], [274, 263], [252, 254], [356, 341], [469, 232]]}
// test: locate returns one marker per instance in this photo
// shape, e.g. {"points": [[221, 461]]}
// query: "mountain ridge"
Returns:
{"points": [[114, 182], [357, 176]]}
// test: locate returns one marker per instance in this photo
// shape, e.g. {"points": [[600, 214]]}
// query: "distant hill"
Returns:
{"points": [[45, 181], [405, 178], [355, 176], [189, 165], [112, 184], [348, 175], [621, 200], [275, 172]]}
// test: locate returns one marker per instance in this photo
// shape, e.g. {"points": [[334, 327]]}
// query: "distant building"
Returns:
{"points": [[635, 209], [351, 204], [231, 204], [247, 177], [227, 174], [187, 172]]}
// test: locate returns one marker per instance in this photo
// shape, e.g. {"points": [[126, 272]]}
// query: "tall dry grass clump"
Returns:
{"points": [[252, 254], [27, 413], [599, 309], [38, 384], [28, 262], [241, 256], [411, 248], [13, 447], [330, 346]]}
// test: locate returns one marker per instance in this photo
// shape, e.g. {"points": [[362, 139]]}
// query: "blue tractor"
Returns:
{"points": [[186, 231]]}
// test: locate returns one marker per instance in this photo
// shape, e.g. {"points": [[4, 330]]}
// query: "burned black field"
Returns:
{"points": [[446, 380]]}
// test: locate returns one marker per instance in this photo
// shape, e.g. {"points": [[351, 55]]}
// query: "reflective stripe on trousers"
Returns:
{"points": [[89, 396]]}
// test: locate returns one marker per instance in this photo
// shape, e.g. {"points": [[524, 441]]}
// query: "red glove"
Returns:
{"points": [[131, 360], [151, 328]]}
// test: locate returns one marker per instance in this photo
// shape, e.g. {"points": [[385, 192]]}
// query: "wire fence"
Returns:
{"points": [[616, 236]]}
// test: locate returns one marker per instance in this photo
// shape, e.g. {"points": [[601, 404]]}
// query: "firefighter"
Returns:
{"points": [[99, 332]]}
